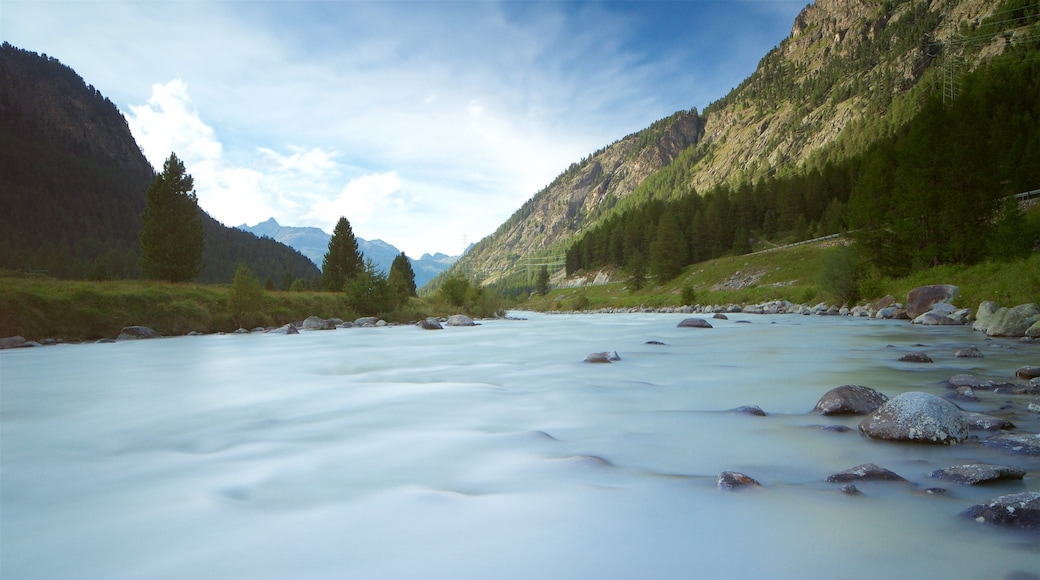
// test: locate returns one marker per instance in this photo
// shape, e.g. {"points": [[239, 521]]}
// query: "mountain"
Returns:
{"points": [[851, 72], [314, 242], [73, 182]]}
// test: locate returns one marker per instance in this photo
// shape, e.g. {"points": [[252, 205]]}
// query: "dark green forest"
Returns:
{"points": [[73, 183], [930, 193]]}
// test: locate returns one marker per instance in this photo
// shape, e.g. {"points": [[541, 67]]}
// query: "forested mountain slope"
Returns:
{"points": [[73, 182], [851, 73]]}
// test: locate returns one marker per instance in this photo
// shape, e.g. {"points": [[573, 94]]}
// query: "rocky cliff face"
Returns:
{"points": [[582, 194]]}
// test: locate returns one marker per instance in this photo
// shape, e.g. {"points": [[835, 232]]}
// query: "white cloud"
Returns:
{"points": [[362, 200]]}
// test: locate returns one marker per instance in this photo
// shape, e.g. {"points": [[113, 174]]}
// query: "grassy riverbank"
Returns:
{"points": [[39, 307], [794, 274]]}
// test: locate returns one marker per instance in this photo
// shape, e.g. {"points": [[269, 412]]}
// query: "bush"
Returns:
{"points": [[840, 274], [688, 296]]}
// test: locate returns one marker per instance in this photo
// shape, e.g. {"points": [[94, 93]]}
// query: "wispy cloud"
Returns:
{"points": [[421, 122]]}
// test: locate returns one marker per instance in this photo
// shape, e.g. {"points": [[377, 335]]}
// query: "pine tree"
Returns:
{"points": [[542, 285], [401, 278], [667, 249], [171, 231], [342, 261]]}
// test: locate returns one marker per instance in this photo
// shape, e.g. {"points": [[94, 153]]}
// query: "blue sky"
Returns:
{"points": [[425, 123]]}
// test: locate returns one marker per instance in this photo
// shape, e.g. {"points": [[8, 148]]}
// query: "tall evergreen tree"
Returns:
{"points": [[401, 278], [667, 250], [342, 261], [171, 231], [542, 287]]}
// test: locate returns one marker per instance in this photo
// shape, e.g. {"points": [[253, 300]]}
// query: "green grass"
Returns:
{"points": [[792, 274]]}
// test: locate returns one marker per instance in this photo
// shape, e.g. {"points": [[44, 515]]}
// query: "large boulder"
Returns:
{"points": [[603, 357], [916, 417], [923, 298], [460, 320], [1021, 510], [694, 323], [366, 321], [849, 400], [1014, 322], [137, 333]]}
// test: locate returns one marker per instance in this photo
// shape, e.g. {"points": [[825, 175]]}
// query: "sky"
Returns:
{"points": [[425, 123]]}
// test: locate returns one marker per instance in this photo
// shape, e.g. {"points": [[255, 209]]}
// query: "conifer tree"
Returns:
{"points": [[246, 298], [667, 249], [171, 230], [401, 278], [543, 281], [342, 261]]}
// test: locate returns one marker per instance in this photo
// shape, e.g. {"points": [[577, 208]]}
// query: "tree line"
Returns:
{"points": [[928, 194]]}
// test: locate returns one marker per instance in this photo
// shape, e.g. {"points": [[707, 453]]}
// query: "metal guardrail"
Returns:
{"points": [[1027, 195]]}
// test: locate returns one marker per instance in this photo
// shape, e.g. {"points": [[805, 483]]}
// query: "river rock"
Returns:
{"points": [[750, 410], [916, 357], [285, 329], [1018, 443], [1021, 510], [137, 333], [889, 313], [1028, 373], [995, 320], [865, 472], [849, 400], [720, 316], [976, 473], [923, 298], [430, 324], [917, 417], [318, 323], [694, 323], [933, 318], [366, 321], [968, 352], [459, 320], [12, 342], [966, 394], [602, 357], [983, 422], [731, 480]]}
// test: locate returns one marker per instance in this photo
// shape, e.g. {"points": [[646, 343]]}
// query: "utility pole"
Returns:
{"points": [[952, 62]]}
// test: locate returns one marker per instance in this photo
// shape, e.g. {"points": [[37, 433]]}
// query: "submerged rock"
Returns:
{"points": [[137, 333], [750, 410], [916, 417], [968, 352], [694, 323], [602, 357], [976, 473], [849, 400], [865, 472], [286, 329], [1021, 443], [916, 357], [731, 480], [1020, 510], [983, 422]]}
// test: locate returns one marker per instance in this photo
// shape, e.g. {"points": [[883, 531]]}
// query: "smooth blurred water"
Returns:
{"points": [[489, 452]]}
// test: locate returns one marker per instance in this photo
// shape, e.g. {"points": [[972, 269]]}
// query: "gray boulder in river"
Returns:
{"points": [[731, 480], [849, 400], [976, 473], [916, 417], [136, 333], [865, 472], [694, 323], [1021, 510], [459, 320]]}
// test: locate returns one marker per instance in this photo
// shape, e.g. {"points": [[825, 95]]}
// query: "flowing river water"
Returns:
{"points": [[493, 452]]}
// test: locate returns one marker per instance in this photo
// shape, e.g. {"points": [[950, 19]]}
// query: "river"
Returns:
{"points": [[492, 452]]}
